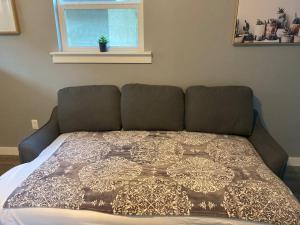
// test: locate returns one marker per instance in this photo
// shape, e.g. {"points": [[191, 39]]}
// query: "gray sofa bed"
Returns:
{"points": [[221, 110]]}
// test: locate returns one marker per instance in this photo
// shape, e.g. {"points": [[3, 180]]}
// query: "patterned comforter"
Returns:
{"points": [[159, 174]]}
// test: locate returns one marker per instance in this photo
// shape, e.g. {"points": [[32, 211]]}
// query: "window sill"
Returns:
{"points": [[102, 57]]}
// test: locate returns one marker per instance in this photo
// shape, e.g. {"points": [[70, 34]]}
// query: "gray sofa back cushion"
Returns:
{"points": [[222, 110], [149, 107], [89, 108]]}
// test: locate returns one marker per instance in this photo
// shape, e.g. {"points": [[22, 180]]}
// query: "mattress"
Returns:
{"points": [[162, 175]]}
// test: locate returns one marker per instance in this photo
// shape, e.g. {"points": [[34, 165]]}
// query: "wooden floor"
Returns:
{"points": [[8, 162], [292, 176]]}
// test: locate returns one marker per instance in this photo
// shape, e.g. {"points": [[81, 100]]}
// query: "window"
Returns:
{"points": [[80, 23]]}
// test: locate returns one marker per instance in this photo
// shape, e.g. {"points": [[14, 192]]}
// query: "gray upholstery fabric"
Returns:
{"points": [[31, 147], [89, 108], [149, 107], [221, 110], [271, 152]]}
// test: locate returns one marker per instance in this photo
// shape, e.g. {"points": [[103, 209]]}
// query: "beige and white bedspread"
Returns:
{"points": [[159, 174]]}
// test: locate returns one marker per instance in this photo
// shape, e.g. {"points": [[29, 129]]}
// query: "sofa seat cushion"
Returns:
{"points": [[149, 107], [89, 108], [221, 110]]}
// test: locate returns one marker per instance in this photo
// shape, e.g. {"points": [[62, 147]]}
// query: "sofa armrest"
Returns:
{"points": [[31, 147], [271, 152]]}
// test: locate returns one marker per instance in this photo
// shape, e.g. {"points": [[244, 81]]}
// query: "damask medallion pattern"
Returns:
{"points": [[201, 175], [109, 174], [139, 173]]}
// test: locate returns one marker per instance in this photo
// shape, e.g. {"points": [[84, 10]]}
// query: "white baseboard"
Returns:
{"points": [[294, 161], [9, 151]]}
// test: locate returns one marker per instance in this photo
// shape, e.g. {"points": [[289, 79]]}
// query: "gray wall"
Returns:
{"points": [[191, 42]]}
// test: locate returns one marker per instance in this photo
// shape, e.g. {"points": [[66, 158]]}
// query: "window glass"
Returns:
{"points": [[85, 26]]}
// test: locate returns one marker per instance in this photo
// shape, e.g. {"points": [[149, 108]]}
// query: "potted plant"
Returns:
{"points": [[282, 22], [249, 38], [238, 37], [297, 37], [103, 43], [246, 28], [271, 29], [281, 12], [287, 37], [259, 30], [295, 27]]}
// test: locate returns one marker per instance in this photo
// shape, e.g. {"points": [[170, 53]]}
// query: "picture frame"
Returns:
{"points": [[268, 22], [9, 24]]}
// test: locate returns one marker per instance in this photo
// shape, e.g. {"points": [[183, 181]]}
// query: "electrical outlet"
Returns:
{"points": [[35, 124]]}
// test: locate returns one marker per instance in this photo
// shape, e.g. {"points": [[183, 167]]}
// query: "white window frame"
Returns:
{"points": [[61, 26]]}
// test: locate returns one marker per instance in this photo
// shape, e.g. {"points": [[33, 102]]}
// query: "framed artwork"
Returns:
{"points": [[8, 17], [275, 22]]}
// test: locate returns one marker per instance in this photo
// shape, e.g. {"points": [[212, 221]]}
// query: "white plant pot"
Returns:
{"points": [[286, 39], [239, 40], [297, 39], [280, 32], [259, 31]]}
